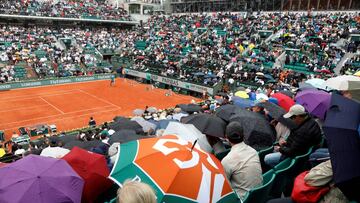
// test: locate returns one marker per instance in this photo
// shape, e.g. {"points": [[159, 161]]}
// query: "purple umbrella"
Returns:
{"points": [[40, 179], [316, 102]]}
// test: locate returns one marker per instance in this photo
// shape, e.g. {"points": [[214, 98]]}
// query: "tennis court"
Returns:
{"points": [[70, 106]]}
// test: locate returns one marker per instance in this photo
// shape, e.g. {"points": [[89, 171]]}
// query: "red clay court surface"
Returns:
{"points": [[70, 106]]}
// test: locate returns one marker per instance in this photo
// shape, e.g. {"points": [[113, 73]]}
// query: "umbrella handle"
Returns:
{"points": [[194, 144]]}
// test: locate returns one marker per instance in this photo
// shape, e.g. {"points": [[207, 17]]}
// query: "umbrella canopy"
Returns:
{"points": [[163, 124], [274, 110], [287, 93], [93, 169], [189, 108], [242, 94], [305, 86], [189, 133], [284, 101], [341, 129], [146, 125], [257, 130], [67, 138], [54, 152], [242, 103], [357, 73], [261, 96], [207, 124], [185, 175], [152, 109], [40, 179], [343, 82], [123, 136], [125, 123], [316, 102], [138, 112], [316, 82], [83, 144], [226, 111]]}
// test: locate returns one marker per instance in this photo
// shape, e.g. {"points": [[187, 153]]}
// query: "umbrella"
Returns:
{"points": [[305, 86], [269, 77], [189, 133], [207, 124], [223, 94], [341, 129], [261, 96], [187, 173], [67, 138], [199, 74], [357, 73], [190, 108], [138, 112], [40, 179], [257, 130], [126, 124], [93, 169], [75, 143], [54, 152], [316, 82], [274, 110], [163, 124], [284, 101], [226, 111], [123, 136], [343, 82], [152, 109], [287, 93], [316, 102], [242, 103], [242, 94], [146, 125], [260, 74]]}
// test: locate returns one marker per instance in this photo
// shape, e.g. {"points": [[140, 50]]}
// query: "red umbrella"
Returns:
{"points": [[2, 164], [284, 101], [93, 169]]}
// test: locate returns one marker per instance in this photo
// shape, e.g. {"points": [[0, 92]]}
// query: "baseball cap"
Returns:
{"points": [[295, 110]]}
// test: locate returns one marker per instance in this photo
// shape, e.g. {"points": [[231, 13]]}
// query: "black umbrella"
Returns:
{"points": [[123, 136], [75, 143], [91, 144], [287, 93], [226, 111], [207, 124], [190, 108], [341, 128], [257, 130], [277, 113], [122, 124], [67, 138]]}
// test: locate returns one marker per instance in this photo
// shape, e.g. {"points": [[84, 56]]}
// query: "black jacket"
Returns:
{"points": [[303, 137]]}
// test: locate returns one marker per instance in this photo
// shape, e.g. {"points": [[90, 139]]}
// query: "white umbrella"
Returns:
{"points": [[343, 82], [262, 96], [189, 133], [54, 152], [146, 125]]}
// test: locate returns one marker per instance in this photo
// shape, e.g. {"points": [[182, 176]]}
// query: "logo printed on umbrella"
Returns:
{"points": [[205, 188]]}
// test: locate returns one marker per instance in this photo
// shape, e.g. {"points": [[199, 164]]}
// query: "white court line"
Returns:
{"points": [[59, 119], [44, 117], [52, 105], [22, 108], [35, 96], [103, 100]]}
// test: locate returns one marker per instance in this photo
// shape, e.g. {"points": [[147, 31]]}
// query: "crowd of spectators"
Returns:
{"points": [[200, 48], [90, 9]]}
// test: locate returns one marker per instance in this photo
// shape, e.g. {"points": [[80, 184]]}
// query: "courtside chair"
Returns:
{"points": [[301, 164], [282, 171], [262, 154], [261, 193]]}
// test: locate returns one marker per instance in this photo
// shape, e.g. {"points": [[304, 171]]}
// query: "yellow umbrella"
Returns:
{"points": [[242, 94], [2, 152], [357, 73]]}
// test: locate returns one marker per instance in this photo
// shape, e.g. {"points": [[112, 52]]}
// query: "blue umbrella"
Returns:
{"points": [[210, 76], [269, 77], [162, 124], [242, 103], [341, 130]]}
